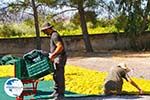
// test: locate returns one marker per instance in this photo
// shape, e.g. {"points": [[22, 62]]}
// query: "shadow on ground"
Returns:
{"points": [[43, 95], [135, 93]]}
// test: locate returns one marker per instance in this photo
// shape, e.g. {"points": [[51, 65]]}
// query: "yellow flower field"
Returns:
{"points": [[85, 81]]}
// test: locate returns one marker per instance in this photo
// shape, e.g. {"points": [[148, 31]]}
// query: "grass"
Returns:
{"points": [[85, 81]]}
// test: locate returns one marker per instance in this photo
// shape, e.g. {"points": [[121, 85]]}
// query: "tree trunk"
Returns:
{"points": [[84, 30], [38, 40]]}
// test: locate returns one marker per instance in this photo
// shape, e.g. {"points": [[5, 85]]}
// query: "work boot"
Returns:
{"points": [[54, 94], [59, 97]]}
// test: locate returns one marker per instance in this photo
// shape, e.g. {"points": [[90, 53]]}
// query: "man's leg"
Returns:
{"points": [[59, 78]]}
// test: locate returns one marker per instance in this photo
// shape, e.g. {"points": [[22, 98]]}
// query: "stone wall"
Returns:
{"points": [[18, 46]]}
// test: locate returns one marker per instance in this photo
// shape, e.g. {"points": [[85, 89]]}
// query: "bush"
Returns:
{"points": [[26, 29], [8, 31], [15, 30]]}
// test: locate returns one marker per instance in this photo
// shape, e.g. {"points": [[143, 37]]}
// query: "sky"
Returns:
{"points": [[67, 14]]}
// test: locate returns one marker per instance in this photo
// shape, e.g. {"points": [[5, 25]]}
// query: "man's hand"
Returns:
{"points": [[134, 84], [51, 57], [140, 91]]}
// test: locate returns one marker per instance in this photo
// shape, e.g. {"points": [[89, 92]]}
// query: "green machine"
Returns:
{"points": [[33, 65]]}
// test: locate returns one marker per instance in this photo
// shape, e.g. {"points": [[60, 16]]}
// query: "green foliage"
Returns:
{"points": [[90, 17], [105, 22], [102, 30], [15, 30], [70, 26], [133, 19], [121, 22], [26, 28], [90, 25], [49, 2], [8, 31], [29, 22], [97, 30], [148, 25]]}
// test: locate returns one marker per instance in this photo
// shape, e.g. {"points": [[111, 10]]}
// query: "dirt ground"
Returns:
{"points": [[102, 61]]}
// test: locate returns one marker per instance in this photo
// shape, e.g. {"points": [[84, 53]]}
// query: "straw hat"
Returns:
{"points": [[124, 66], [46, 26]]}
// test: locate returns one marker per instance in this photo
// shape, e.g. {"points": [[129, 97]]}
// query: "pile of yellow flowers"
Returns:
{"points": [[90, 82], [7, 71], [84, 81]]}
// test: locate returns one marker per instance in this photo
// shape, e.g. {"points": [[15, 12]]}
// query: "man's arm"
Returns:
{"points": [[134, 84], [59, 48]]}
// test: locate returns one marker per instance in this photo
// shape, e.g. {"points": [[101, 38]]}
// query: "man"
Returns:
{"points": [[58, 57], [114, 81]]}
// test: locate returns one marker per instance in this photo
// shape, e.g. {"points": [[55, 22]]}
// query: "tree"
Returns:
{"points": [[34, 7], [20, 6], [133, 18], [137, 13], [81, 6], [90, 16], [84, 27]]}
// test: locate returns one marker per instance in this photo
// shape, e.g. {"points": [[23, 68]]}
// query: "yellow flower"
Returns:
{"points": [[84, 81], [7, 71]]}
